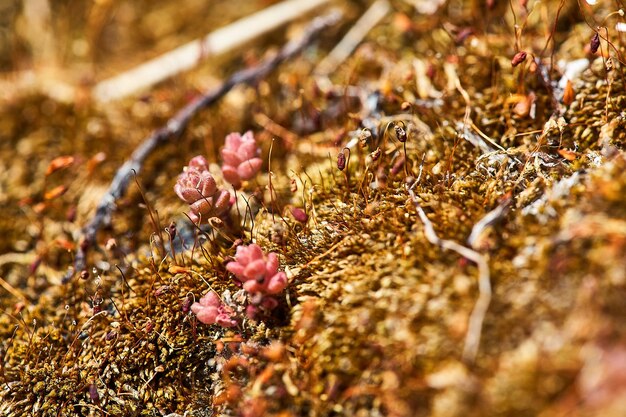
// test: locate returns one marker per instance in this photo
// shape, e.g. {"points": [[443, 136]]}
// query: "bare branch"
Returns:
{"points": [[176, 126], [215, 43]]}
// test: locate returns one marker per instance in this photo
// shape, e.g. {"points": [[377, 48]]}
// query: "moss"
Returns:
{"points": [[375, 317]]}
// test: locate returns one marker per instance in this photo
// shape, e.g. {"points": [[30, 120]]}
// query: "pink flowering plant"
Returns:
{"points": [[196, 186], [259, 276], [241, 158], [211, 310]]}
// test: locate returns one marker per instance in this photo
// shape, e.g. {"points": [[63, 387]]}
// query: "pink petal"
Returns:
{"points": [[236, 269], [255, 269], [188, 195], [252, 286], [248, 169], [271, 266], [248, 136], [231, 157], [255, 252], [225, 320], [243, 255], [210, 299], [230, 174], [207, 184], [221, 203], [203, 206], [233, 141], [248, 150], [277, 283], [206, 315], [199, 162]]}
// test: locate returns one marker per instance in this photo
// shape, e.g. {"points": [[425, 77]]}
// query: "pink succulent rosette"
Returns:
{"points": [[211, 310], [258, 273], [241, 158], [196, 186]]}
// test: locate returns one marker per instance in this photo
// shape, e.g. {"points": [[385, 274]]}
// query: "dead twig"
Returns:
{"points": [[472, 338], [176, 126], [489, 219]]}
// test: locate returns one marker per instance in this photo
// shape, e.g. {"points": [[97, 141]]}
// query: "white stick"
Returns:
{"points": [[355, 35], [475, 325], [187, 56]]}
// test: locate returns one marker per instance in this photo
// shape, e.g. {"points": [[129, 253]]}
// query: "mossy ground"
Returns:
{"points": [[375, 316]]}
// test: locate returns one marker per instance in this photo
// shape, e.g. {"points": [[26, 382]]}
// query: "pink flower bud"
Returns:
{"points": [[257, 272], [299, 214], [196, 186], [241, 158], [193, 185], [210, 310]]}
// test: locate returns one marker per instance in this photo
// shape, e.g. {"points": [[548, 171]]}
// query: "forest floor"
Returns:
{"points": [[469, 260]]}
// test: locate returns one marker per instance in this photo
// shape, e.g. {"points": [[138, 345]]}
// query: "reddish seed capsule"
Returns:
{"points": [[341, 161], [34, 265], [299, 214], [187, 304], [93, 394], [149, 326], [594, 44], [518, 58]]}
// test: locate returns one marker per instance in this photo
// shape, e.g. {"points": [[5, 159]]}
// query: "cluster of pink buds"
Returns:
{"points": [[259, 276], [197, 187], [211, 310], [241, 158]]}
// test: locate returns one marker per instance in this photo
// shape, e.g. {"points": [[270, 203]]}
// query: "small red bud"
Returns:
{"points": [[93, 394], [187, 304], [299, 214], [594, 44], [518, 58], [341, 161]]}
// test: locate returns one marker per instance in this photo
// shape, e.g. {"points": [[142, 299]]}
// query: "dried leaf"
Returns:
{"points": [[61, 162], [568, 93], [567, 154], [55, 192]]}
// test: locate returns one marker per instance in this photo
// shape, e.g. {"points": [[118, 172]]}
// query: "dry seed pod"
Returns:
{"points": [[376, 154], [400, 131], [365, 136]]}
